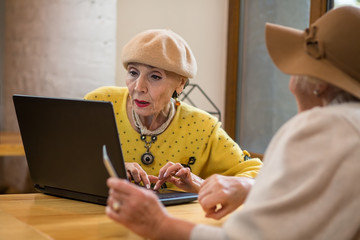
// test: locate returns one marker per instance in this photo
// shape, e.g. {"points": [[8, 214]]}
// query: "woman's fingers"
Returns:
{"points": [[158, 184], [145, 179], [182, 172], [180, 176], [215, 206], [210, 201], [167, 172], [218, 212], [118, 186], [134, 174], [153, 179], [162, 175], [137, 174], [229, 192], [169, 169], [131, 205], [212, 197]]}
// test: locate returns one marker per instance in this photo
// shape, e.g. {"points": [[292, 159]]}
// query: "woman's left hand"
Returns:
{"points": [[180, 176], [220, 195]]}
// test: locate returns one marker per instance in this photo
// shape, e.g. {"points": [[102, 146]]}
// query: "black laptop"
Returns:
{"points": [[63, 141]]}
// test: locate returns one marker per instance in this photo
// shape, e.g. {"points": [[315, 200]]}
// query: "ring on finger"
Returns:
{"points": [[116, 206]]}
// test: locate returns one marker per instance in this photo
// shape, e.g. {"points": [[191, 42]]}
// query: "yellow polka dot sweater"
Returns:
{"points": [[194, 138]]}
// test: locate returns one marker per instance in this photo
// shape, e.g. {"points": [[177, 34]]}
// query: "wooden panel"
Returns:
{"points": [[232, 67], [12, 228], [39, 216], [11, 144], [317, 9]]}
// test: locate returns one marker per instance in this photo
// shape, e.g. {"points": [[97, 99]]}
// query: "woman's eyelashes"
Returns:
{"points": [[156, 77], [133, 73]]}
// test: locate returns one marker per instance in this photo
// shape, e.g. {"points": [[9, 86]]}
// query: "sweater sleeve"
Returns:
{"points": [[206, 232], [227, 158]]}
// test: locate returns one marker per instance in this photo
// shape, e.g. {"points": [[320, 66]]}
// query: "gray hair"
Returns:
{"points": [[335, 95]]}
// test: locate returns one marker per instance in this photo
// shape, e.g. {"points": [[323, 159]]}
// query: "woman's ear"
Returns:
{"points": [[321, 87], [182, 84]]}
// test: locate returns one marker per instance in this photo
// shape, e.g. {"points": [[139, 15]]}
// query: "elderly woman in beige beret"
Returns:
{"points": [[165, 141], [308, 187]]}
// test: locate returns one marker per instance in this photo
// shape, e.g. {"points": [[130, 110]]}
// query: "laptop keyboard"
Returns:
{"points": [[166, 193]]}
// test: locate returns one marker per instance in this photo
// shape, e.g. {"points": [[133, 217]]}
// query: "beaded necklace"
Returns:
{"points": [[148, 158]]}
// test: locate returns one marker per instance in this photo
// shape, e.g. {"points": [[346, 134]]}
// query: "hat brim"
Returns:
{"points": [[286, 47]]}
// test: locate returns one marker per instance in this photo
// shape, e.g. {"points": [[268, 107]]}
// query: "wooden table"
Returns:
{"points": [[39, 216], [11, 144]]}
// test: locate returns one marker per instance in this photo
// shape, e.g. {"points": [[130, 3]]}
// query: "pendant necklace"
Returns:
{"points": [[148, 158]]}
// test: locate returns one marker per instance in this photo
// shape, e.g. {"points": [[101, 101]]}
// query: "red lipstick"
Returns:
{"points": [[141, 104]]}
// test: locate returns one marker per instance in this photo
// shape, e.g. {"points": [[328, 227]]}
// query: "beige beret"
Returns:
{"points": [[162, 49]]}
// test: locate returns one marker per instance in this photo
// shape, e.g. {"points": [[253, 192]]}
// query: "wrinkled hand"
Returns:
{"points": [[134, 207], [220, 195], [137, 174], [180, 176], [140, 210]]}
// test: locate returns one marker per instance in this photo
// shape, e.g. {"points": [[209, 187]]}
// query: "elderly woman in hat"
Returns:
{"points": [[163, 139], [308, 187]]}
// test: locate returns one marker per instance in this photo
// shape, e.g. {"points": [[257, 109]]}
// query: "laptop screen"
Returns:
{"points": [[63, 141]]}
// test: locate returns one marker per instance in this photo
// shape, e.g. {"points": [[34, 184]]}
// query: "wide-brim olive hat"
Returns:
{"points": [[329, 49], [163, 49]]}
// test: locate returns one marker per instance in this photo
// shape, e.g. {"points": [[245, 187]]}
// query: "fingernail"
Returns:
{"points": [[148, 186]]}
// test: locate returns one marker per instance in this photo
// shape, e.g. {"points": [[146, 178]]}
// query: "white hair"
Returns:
{"points": [[334, 94]]}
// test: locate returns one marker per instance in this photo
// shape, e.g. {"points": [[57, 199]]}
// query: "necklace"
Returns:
{"points": [[148, 158]]}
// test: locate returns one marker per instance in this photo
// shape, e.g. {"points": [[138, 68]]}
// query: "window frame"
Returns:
{"points": [[317, 9]]}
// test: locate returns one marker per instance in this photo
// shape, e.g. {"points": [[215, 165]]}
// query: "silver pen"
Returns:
{"points": [[108, 164]]}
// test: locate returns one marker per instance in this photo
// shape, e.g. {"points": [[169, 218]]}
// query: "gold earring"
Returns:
{"points": [[177, 101], [176, 97]]}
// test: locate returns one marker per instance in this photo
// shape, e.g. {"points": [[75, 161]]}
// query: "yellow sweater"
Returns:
{"points": [[193, 138]]}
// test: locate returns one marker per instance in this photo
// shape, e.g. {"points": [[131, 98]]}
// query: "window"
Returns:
{"points": [[338, 3], [261, 92], [263, 102]]}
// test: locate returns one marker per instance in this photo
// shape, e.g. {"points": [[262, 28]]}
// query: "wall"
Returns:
{"points": [[57, 48], [202, 23]]}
